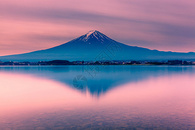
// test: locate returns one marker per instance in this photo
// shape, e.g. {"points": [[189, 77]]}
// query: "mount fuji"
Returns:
{"points": [[95, 46]]}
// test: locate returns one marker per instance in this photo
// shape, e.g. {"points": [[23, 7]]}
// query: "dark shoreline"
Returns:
{"points": [[65, 62]]}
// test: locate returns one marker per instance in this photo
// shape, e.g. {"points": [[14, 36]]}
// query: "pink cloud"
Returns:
{"points": [[163, 24]]}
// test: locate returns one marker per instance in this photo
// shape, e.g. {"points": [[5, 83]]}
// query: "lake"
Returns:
{"points": [[97, 97]]}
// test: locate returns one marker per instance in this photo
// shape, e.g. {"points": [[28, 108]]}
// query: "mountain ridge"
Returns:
{"points": [[92, 44]]}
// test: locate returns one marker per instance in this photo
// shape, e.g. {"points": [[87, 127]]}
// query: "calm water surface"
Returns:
{"points": [[93, 97]]}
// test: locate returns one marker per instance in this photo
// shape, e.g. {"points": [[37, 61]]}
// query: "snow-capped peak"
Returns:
{"points": [[94, 36], [90, 32]]}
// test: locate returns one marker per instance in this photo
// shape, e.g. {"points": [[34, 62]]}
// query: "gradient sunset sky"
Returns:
{"points": [[29, 25]]}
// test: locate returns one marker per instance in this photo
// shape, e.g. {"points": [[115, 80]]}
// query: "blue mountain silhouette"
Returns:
{"points": [[95, 46]]}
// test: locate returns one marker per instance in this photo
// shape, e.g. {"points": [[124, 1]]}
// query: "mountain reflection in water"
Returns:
{"points": [[99, 79], [117, 97]]}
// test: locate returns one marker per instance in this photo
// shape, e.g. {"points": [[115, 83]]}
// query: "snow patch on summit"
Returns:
{"points": [[90, 32], [94, 35]]}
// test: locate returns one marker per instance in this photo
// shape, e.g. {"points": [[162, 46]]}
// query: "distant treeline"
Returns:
{"points": [[66, 62]]}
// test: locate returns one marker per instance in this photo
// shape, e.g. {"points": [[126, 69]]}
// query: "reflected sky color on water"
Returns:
{"points": [[116, 97]]}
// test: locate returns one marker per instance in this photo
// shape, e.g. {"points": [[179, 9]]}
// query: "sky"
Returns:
{"points": [[29, 25]]}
